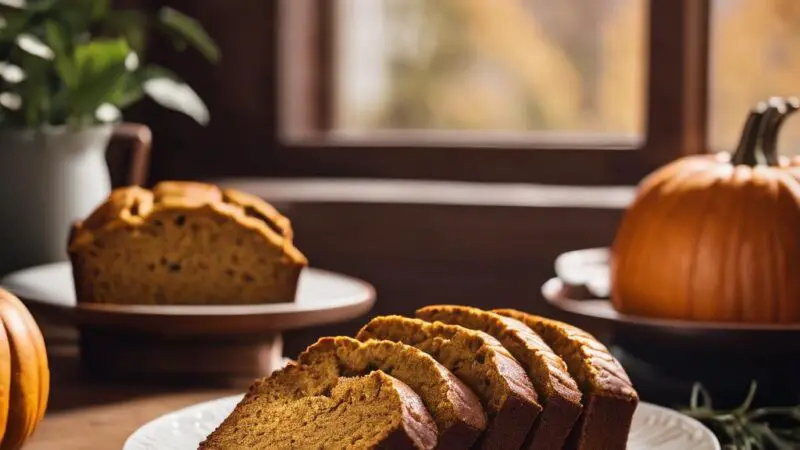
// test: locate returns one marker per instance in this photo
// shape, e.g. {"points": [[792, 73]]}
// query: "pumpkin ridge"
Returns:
{"points": [[775, 255], [630, 235], [702, 221], [676, 202], [743, 275], [719, 215], [765, 266], [730, 293], [42, 365], [788, 190], [733, 287], [23, 410]]}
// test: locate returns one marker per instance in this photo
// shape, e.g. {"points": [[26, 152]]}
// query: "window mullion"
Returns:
{"points": [[678, 84]]}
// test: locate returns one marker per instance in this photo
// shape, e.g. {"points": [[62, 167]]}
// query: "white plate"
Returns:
{"points": [[654, 428]]}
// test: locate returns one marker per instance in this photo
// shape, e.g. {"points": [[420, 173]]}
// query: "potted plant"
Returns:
{"points": [[67, 70]]}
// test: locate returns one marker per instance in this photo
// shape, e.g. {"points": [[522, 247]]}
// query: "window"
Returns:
{"points": [[584, 92], [500, 65], [754, 55]]}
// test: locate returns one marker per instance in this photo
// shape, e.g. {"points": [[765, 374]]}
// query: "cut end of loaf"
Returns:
{"points": [[366, 412]]}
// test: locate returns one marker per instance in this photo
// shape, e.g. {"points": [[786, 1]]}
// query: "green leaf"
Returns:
{"points": [[79, 16], [36, 5], [58, 38], [129, 92], [101, 68], [177, 95], [191, 30], [34, 99], [35, 89], [89, 9], [99, 55]]}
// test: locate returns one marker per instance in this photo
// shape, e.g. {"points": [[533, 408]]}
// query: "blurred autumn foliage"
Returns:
{"points": [[564, 66], [756, 54]]}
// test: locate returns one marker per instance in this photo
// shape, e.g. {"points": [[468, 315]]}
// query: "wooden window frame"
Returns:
{"points": [[675, 125]]}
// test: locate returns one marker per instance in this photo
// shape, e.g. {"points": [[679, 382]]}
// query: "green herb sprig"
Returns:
{"points": [[743, 428]]}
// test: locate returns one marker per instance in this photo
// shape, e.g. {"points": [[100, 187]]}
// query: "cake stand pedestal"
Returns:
{"points": [[217, 360], [190, 345]]}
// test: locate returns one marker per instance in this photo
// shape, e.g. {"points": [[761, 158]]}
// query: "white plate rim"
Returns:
{"points": [[138, 440]]}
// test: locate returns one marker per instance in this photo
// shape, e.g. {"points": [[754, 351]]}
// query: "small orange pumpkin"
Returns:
{"points": [[24, 373], [716, 237]]}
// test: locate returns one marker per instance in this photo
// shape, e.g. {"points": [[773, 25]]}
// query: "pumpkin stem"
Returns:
{"points": [[746, 150], [769, 139]]}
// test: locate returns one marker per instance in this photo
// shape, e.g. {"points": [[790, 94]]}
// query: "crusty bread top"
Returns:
{"points": [[589, 361], [133, 206], [547, 371], [477, 358]]}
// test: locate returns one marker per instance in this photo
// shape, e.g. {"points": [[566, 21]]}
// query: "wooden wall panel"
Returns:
{"points": [[240, 92], [421, 254]]}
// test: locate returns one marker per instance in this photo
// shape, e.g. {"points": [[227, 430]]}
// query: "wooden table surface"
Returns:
{"points": [[92, 415]]}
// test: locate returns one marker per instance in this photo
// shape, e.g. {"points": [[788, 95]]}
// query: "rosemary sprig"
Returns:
{"points": [[743, 428]]}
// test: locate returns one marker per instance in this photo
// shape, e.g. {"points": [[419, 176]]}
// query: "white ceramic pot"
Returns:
{"points": [[48, 179]]}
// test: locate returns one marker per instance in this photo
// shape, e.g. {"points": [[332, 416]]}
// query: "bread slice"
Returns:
{"points": [[456, 410], [609, 399], [478, 360], [557, 391], [298, 407], [184, 243]]}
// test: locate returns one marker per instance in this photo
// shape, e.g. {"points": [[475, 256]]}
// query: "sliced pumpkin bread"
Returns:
{"points": [[557, 391], [609, 399], [478, 360], [301, 407], [454, 407]]}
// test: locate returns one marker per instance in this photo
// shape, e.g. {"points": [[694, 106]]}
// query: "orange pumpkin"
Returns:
{"points": [[24, 373], [716, 237]]}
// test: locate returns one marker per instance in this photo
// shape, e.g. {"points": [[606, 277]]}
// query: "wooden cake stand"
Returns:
{"points": [[228, 344]]}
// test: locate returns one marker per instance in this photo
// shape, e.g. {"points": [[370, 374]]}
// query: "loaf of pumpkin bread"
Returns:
{"points": [[184, 243], [300, 407], [481, 362], [609, 399], [458, 414], [557, 391]]}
